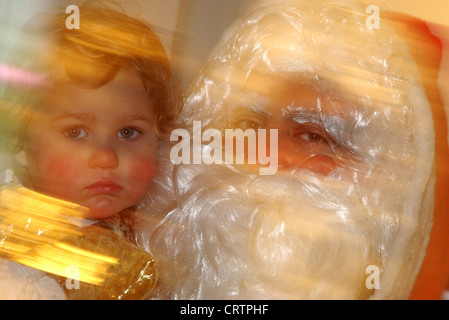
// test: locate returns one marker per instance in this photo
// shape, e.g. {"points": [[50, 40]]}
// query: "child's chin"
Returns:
{"points": [[102, 212], [100, 215]]}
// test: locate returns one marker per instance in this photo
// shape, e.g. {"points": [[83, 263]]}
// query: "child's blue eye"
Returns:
{"points": [[128, 133], [75, 133]]}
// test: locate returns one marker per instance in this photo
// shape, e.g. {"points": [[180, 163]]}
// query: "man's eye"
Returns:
{"points": [[311, 137], [128, 133], [309, 133], [248, 124], [75, 133]]}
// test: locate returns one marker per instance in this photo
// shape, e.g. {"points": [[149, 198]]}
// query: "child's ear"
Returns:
{"points": [[21, 158]]}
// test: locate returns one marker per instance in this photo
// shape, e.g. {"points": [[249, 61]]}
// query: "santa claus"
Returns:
{"points": [[354, 208]]}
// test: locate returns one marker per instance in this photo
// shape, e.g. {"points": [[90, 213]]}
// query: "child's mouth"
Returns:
{"points": [[104, 187]]}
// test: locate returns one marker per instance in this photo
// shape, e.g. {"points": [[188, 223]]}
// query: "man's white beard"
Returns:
{"points": [[237, 235]]}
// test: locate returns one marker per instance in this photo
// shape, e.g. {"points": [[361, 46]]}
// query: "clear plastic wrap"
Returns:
{"points": [[355, 183]]}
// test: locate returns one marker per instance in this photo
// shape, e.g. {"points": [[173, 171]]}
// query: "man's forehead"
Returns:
{"points": [[271, 94]]}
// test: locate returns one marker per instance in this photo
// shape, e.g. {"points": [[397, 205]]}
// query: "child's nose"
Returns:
{"points": [[103, 157]]}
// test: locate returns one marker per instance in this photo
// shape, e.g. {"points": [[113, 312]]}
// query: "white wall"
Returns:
{"points": [[200, 25], [13, 16]]}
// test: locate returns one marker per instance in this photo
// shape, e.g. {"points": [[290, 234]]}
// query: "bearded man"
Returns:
{"points": [[352, 210]]}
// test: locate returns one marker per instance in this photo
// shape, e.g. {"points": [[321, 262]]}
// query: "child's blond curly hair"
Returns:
{"points": [[90, 57]]}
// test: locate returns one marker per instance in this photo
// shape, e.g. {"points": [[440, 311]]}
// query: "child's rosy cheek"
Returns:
{"points": [[63, 169], [142, 171]]}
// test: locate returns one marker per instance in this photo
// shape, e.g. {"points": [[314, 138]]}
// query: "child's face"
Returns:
{"points": [[95, 147]]}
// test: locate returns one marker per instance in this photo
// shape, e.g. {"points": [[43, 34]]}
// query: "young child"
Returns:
{"points": [[91, 136]]}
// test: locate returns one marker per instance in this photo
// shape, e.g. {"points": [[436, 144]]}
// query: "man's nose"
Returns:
{"points": [[104, 157]]}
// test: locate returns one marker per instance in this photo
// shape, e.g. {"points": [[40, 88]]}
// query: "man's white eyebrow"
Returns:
{"points": [[306, 117], [255, 103], [259, 110], [79, 116]]}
